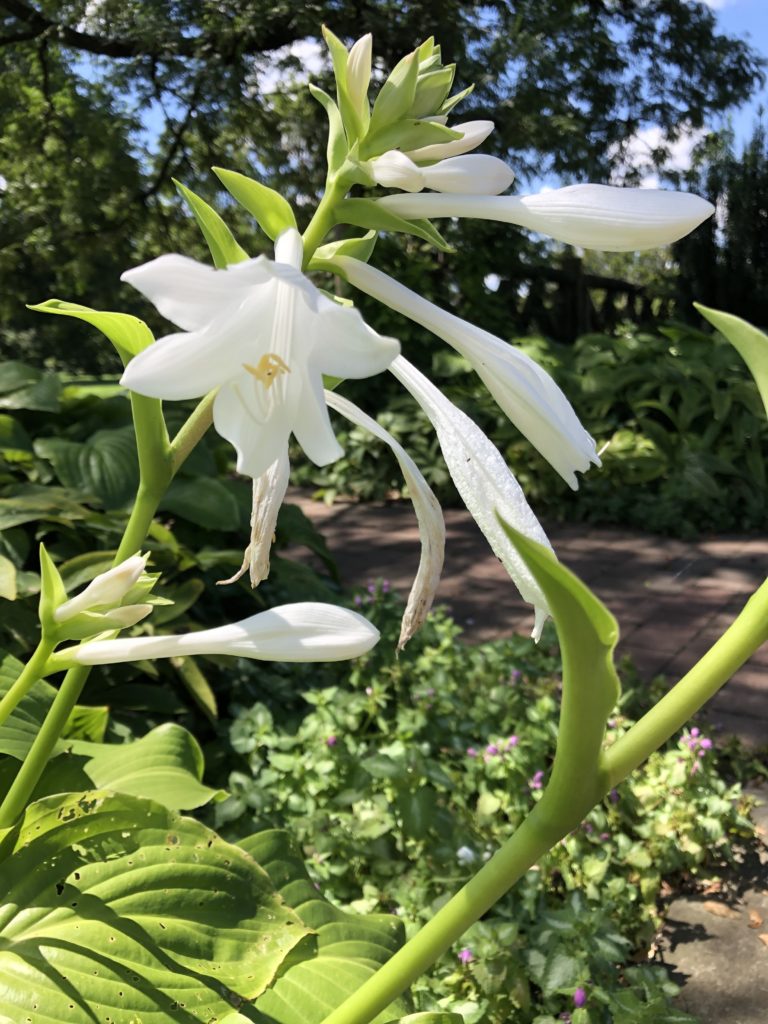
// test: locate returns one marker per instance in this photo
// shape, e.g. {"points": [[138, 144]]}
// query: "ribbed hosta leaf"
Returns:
{"points": [[349, 947], [116, 910]]}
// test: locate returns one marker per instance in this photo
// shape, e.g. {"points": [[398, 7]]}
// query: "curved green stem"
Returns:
{"points": [[191, 432], [32, 671], [324, 218], [742, 638], [34, 763]]}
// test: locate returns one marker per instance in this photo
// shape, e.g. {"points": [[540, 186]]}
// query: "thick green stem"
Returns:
{"points": [[34, 763], [324, 218], [33, 670], [537, 834], [748, 632]]}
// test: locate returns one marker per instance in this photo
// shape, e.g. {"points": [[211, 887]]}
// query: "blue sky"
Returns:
{"points": [[749, 20]]}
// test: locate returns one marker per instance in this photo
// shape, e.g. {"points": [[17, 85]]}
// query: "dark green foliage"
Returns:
{"points": [[682, 416]]}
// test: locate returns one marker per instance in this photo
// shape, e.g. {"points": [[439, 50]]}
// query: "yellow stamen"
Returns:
{"points": [[268, 369]]}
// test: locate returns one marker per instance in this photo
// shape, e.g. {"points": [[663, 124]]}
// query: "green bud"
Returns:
{"points": [[397, 94]]}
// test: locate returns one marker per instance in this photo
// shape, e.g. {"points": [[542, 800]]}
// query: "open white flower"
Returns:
{"points": [[476, 173], [527, 394], [307, 631], [429, 515], [262, 334], [484, 482], [593, 216]]}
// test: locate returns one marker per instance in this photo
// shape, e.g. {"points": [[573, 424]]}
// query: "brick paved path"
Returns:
{"points": [[672, 598]]}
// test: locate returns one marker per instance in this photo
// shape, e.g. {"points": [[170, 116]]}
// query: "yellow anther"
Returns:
{"points": [[268, 368]]}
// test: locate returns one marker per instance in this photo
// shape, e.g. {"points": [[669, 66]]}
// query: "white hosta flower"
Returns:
{"points": [[527, 394], [474, 132], [268, 494], [428, 513], [106, 591], [262, 334], [307, 631], [484, 482], [359, 70], [593, 216], [478, 174]]}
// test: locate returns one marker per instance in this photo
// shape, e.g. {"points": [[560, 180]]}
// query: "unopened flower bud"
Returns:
{"points": [[108, 588], [395, 170], [475, 175], [473, 133], [359, 70]]}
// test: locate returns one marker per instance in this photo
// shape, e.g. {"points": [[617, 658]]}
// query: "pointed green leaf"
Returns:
{"points": [[454, 101], [222, 244], [588, 634], [367, 213], [349, 947], [272, 212], [407, 134], [337, 149], [396, 96], [351, 117], [749, 342], [127, 333], [139, 913], [52, 591], [359, 248], [197, 686], [426, 50]]}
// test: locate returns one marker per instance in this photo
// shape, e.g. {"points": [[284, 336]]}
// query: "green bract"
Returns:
{"points": [[272, 212]]}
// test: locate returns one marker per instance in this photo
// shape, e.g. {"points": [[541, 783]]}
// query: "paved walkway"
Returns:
{"points": [[672, 598]]}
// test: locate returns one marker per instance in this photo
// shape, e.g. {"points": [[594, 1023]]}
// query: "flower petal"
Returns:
{"points": [[192, 294], [258, 444], [311, 423], [527, 394], [593, 216], [428, 513], [306, 631], [394, 170], [343, 344], [289, 248], [484, 482]]}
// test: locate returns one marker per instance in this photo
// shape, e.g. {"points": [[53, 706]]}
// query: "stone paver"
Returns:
{"points": [[672, 598]]}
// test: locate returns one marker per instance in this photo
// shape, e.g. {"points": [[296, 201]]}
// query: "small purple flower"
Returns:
{"points": [[605, 836], [331, 741], [613, 796], [516, 673], [471, 752], [537, 782], [588, 827], [371, 588], [695, 732], [491, 750], [511, 742], [358, 600], [705, 743], [385, 586], [466, 955], [579, 997]]}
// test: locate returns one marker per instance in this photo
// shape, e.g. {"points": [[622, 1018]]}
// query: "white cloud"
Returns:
{"points": [[637, 154], [310, 54]]}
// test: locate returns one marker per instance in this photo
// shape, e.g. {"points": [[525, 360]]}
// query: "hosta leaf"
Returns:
{"points": [[27, 387], [7, 579], [349, 947], [205, 502], [749, 342], [30, 504], [117, 909], [105, 466]]}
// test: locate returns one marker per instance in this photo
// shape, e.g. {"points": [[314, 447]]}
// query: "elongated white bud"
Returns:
{"points": [[428, 513], [475, 132], [359, 70], [478, 174], [108, 588], [395, 170], [307, 631], [593, 216]]}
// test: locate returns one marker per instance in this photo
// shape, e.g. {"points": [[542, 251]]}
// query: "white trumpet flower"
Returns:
{"points": [[478, 174], [307, 631], [261, 333], [473, 133], [527, 394], [593, 216], [106, 591], [428, 513], [484, 482]]}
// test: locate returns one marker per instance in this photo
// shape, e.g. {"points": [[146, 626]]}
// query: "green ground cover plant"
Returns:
{"points": [[680, 415]]}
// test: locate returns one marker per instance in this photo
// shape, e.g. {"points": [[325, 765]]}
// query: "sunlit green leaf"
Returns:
{"points": [[272, 212], [127, 333], [749, 342], [224, 247]]}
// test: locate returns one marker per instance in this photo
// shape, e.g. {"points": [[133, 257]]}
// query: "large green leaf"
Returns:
{"points": [[31, 503], [105, 466], [27, 387], [117, 909], [749, 342], [128, 334], [203, 501], [349, 947]]}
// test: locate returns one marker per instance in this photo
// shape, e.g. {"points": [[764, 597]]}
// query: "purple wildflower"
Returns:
{"points": [[492, 750], [705, 743], [511, 742], [695, 732], [579, 997], [537, 782], [613, 796], [331, 741], [358, 600], [385, 585], [471, 752], [466, 955], [605, 836]]}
